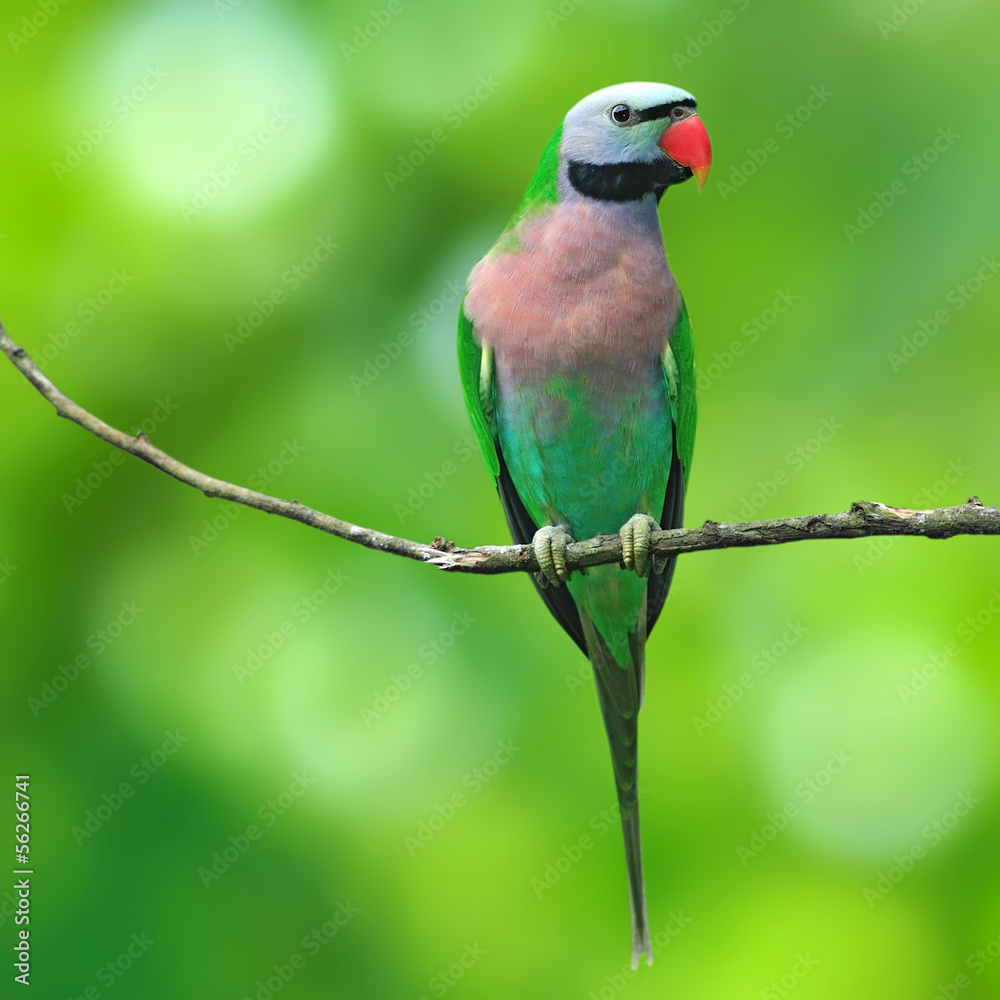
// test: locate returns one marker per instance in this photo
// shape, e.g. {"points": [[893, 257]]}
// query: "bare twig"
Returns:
{"points": [[865, 518]]}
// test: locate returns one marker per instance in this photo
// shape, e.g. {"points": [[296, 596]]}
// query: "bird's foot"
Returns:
{"points": [[635, 534], [550, 545]]}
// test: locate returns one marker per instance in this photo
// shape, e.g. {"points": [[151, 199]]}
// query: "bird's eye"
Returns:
{"points": [[677, 113], [621, 113]]}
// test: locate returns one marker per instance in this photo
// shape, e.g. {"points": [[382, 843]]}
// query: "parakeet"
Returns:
{"points": [[577, 369]]}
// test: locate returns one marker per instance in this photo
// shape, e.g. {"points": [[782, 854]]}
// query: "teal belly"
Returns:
{"points": [[587, 453]]}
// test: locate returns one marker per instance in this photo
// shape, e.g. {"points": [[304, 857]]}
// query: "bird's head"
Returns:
{"points": [[632, 139]]}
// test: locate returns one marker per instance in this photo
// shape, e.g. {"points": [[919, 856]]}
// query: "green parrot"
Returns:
{"points": [[577, 369]]}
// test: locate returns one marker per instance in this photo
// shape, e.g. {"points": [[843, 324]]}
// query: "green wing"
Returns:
{"points": [[475, 366], [678, 367], [678, 370]]}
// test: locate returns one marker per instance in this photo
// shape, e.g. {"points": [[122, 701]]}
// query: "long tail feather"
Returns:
{"points": [[619, 693], [636, 888]]}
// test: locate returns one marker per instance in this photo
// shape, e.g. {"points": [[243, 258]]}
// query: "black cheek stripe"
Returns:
{"points": [[625, 181]]}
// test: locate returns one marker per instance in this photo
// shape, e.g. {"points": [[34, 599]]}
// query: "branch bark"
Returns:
{"points": [[864, 518]]}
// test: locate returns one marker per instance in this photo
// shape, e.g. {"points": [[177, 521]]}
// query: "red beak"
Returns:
{"points": [[687, 143]]}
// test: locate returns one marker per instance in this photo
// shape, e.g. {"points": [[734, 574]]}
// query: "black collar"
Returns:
{"points": [[625, 181]]}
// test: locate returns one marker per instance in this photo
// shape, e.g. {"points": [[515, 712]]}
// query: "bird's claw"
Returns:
{"points": [[550, 545], [635, 534]]}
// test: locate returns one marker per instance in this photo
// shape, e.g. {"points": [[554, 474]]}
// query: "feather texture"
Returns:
{"points": [[577, 367]]}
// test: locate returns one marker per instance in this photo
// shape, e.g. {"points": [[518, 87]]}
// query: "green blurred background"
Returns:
{"points": [[233, 139]]}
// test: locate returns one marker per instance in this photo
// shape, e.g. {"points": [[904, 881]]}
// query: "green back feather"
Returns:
{"points": [[542, 192], [544, 187]]}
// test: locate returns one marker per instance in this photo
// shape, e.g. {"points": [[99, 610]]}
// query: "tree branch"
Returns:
{"points": [[864, 518]]}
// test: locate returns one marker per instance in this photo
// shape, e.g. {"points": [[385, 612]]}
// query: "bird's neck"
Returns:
{"points": [[638, 215]]}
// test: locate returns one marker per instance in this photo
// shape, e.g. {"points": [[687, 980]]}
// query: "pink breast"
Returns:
{"points": [[587, 281]]}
